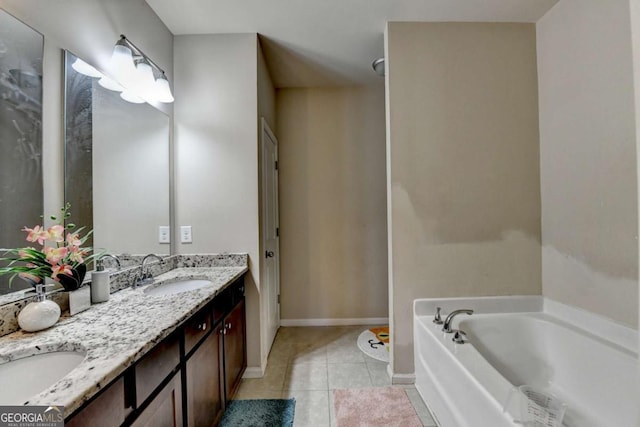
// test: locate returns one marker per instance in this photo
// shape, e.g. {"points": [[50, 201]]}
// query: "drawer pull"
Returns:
{"points": [[202, 326]]}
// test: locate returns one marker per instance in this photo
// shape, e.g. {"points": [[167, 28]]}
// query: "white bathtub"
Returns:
{"points": [[525, 340]]}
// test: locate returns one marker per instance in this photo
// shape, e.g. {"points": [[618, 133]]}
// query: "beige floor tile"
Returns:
{"points": [[420, 407], [308, 354], [246, 391], [273, 379], [379, 375], [312, 407], [341, 352], [306, 376], [348, 375]]}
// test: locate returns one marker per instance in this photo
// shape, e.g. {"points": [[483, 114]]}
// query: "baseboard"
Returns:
{"points": [[253, 372], [400, 378], [335, 322]]}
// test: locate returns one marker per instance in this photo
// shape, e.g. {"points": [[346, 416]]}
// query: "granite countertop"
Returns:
{"points": [[115, 334]]}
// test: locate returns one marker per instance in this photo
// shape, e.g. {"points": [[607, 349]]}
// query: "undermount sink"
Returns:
{"points": [[176, 287], [24, 378]]}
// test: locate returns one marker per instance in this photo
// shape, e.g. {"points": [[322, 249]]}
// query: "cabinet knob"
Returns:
{"points": [[228, 326], [269, 254], [202, 327]]}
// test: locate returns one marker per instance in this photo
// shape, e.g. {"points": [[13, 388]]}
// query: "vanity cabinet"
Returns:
{"points": [[235, 354], [205, 401], [165, 409], [185, 380], [107, 410]]}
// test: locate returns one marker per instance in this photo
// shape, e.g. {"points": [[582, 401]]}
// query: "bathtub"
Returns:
{"points": [[588, 362]]}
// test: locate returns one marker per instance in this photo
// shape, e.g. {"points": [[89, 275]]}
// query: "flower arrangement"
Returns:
{"points": [[60, 257]]}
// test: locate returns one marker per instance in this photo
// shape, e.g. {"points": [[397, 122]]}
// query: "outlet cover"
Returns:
{"points": [[185, 234], [164, 234]]}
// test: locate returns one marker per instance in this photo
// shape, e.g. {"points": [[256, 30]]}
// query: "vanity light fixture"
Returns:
{"points": [[83, 68], [138, 73]]}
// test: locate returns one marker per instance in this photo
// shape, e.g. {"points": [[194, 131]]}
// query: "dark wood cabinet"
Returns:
{"points": [[204, 393], [185, 380], [106, 410], [235, 355], [165, 409]]}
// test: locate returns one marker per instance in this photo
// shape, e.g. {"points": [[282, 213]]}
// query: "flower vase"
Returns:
{"points": [[73, 282]]}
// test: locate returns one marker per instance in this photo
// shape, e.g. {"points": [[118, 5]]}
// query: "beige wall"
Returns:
{"points": [[332, 203], [588, 158], [89, 29], [216, 154], [463, 179]]}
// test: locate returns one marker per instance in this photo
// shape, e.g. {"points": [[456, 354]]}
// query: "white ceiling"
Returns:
{"points": [[329, 42]]}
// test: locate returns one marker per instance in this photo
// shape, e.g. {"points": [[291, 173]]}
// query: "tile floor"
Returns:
{"points": [[308, 363]]}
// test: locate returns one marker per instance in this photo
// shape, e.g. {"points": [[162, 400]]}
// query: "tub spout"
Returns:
{"points": [[447, 322]]}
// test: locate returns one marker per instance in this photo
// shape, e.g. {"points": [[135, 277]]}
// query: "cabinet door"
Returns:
{"points": [[235, 356], [166, 409], [204, 395], [107, 410]]}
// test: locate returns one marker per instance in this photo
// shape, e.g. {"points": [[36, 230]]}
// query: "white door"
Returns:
{"points": [[270, 232]]}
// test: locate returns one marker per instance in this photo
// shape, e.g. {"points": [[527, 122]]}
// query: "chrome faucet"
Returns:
{"points": [[145, 276], [437, 319], [447, 322], [100, 262]]}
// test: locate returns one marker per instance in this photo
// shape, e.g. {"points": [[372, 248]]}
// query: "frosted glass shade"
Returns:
{"points": [[83, 68], [123, 68], [109, 83], [129, 96], [145, 81], [163, 90]]}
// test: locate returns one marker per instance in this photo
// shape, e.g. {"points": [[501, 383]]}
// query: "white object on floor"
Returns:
{"points": [[372, 347]]}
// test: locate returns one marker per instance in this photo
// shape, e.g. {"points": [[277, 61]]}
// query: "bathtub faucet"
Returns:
{"points": [[447, 322]]}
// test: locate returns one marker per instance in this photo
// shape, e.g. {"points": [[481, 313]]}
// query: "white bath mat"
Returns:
{"points": [[374, 342]]}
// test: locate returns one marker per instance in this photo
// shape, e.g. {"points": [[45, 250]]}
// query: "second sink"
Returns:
{"points": [[177, 287]]}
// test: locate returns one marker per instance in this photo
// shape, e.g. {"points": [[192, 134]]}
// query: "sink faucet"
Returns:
{"points": [[447, 322], [145, 276], [100, 261]]}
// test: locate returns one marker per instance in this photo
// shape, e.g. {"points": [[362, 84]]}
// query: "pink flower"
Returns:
{"points": [[36, 234], [54, 255], [56, 233], [76, 254], [61, 269], [73, 240]]}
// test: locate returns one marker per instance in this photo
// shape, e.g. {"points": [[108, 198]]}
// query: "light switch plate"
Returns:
{"points": [[185, 234], [164, 234]]}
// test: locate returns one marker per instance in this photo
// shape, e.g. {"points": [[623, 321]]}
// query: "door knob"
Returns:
{"points": [[269, 254]]}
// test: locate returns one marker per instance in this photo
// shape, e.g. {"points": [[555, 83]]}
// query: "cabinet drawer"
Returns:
{"points": [[197, 328], [153, 368]]}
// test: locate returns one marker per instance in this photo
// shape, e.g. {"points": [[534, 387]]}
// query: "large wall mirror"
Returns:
{"points": [[117, 175], [21, 183]]}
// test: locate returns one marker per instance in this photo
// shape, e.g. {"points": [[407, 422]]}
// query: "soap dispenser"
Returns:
{"points": [[39, 314], [100, 282]]}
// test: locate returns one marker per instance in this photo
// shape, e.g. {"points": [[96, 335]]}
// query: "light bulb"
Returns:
{"points": [[129, 96], [145, 81], [163, 90], [83, 68], [122, 66], [109, 83]]}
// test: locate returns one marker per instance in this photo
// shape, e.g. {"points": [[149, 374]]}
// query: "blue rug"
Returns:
{"points": [[259, 413]]}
